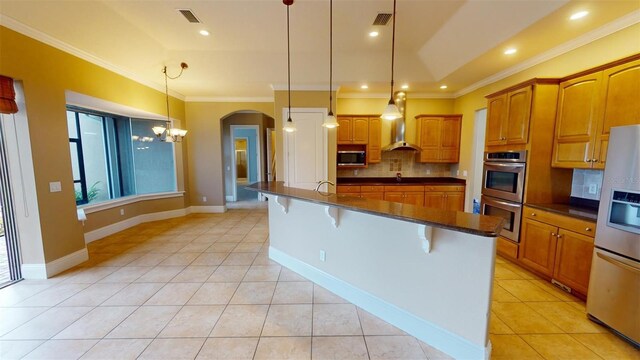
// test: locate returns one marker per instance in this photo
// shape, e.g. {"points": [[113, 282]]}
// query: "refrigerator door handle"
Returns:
{"points": [[618, 263]]}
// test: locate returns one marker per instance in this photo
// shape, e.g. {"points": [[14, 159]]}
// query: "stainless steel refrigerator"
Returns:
{"points": [[614, 286]]}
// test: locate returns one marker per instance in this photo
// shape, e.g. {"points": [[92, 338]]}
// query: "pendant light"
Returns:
{"points": [[289, 126], [391, 112], [170, 133], [330, 122]]}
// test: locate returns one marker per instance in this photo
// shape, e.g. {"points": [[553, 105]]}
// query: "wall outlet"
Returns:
{"points": [[121, 211], [355, 172], [464, 173], [428, 172], [323, 255], [204, 199], [55, 186], [457, 172], [593, 189]]}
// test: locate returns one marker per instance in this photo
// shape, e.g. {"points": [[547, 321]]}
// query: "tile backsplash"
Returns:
{"points": [[399, 161], [587, 184]]}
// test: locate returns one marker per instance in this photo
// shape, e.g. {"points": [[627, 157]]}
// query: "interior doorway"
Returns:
{"points": [[245, 161], [480, 124]]}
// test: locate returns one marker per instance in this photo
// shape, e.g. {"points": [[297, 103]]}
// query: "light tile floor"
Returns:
{"points": [[203, 287]]}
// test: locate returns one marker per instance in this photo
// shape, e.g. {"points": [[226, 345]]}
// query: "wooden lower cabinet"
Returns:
{"points": [[372, 195], [445, 197], [573, 260], [538, 246], [405, 197], [557, 246]]}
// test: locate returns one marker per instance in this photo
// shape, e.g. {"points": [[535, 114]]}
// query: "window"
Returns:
{"points": [[114, 156]]}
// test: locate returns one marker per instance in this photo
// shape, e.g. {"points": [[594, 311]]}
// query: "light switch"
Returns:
{"points": [[593, 189], [55, 186]]}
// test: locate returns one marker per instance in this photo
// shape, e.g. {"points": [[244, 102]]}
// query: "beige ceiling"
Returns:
{"points": [[453, 42]]}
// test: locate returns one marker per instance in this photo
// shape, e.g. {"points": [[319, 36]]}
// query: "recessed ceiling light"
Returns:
{"points": [[510, 51], [405, 87], [374, 33], [579, 15], [443, 87], [365, 86], [204, 33]]}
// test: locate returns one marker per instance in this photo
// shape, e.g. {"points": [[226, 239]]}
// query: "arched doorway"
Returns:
{"points": [[247, 156]]}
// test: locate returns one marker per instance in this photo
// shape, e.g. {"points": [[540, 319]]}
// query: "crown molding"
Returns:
{"points": [[410, 95], [229, 99], [307, 87], [603, 31], [38, 35]]}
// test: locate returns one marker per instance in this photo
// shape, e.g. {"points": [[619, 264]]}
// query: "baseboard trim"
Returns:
{"points": [[208, 209], [105, 231], [45, 271], [432, 334]]}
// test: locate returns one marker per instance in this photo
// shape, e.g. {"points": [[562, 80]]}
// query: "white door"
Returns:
{"points": [[305, 150]]}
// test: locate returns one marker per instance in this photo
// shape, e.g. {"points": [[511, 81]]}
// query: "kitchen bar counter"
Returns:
{"points": [[480, 225], [578, 212], [428, 272], [403, 181]]}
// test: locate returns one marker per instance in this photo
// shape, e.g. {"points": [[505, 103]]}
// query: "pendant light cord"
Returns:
{"points": [[166, 92], [288, 65], [330, 57], [393, 46]]}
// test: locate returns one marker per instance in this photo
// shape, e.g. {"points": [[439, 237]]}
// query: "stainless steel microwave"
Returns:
{"points": [[352, 158]]}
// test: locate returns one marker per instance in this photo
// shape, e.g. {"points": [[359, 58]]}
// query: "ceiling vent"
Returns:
{"points": [[382, 19], [189, 15]]}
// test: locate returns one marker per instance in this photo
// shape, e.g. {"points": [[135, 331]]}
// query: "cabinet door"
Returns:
{"points": [[393, 196], [434, 199], [450, 140], [344, 130], [620, 97], [351, 194], [573, 260], [576, 122], [414, 198], [519, 113], [375, 141], [538, 246], [373, 195], [496, 117], [429, 138], [360, 130], [454, 201]]}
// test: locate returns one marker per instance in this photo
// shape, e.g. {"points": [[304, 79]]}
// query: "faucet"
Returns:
{"points": [[320, 183], [398, 177]]}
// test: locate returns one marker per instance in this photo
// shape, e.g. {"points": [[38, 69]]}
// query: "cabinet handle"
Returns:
{"points": [[594, 160], [559, 236], [553, 234], [588, 160], [587, 229], [533, 214]]}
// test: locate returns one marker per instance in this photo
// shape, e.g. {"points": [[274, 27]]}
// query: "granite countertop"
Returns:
{"points": [[480, 225], [404, 181], [578, 212]]}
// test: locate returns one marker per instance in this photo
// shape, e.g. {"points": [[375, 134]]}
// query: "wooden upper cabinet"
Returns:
{"points": [[439, 138], [353, 130], [508, 117], [344, 130], [588, 107], [375, 140], [620, 96], [496, 117], [518, 115], [360, 130], [576, 122]]}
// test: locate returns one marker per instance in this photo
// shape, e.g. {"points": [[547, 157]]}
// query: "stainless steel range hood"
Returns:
{"points": [[398, 129]]}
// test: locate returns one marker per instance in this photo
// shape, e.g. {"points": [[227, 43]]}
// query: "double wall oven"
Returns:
{"points": [[503, 189]]}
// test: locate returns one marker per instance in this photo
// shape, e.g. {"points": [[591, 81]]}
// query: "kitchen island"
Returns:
{"points": [[427, 271]]}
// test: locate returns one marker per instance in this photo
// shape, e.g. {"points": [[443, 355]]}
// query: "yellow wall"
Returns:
{"points": [[46, 73], [206, 171], [615, 46], [351, 106], [303, 99]]}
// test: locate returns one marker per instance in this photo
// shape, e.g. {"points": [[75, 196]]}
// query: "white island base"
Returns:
{"points": [[433, 283]]}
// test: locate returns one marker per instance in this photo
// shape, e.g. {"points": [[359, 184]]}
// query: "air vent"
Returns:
{"points": [[382, 19], [189, 15]]}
